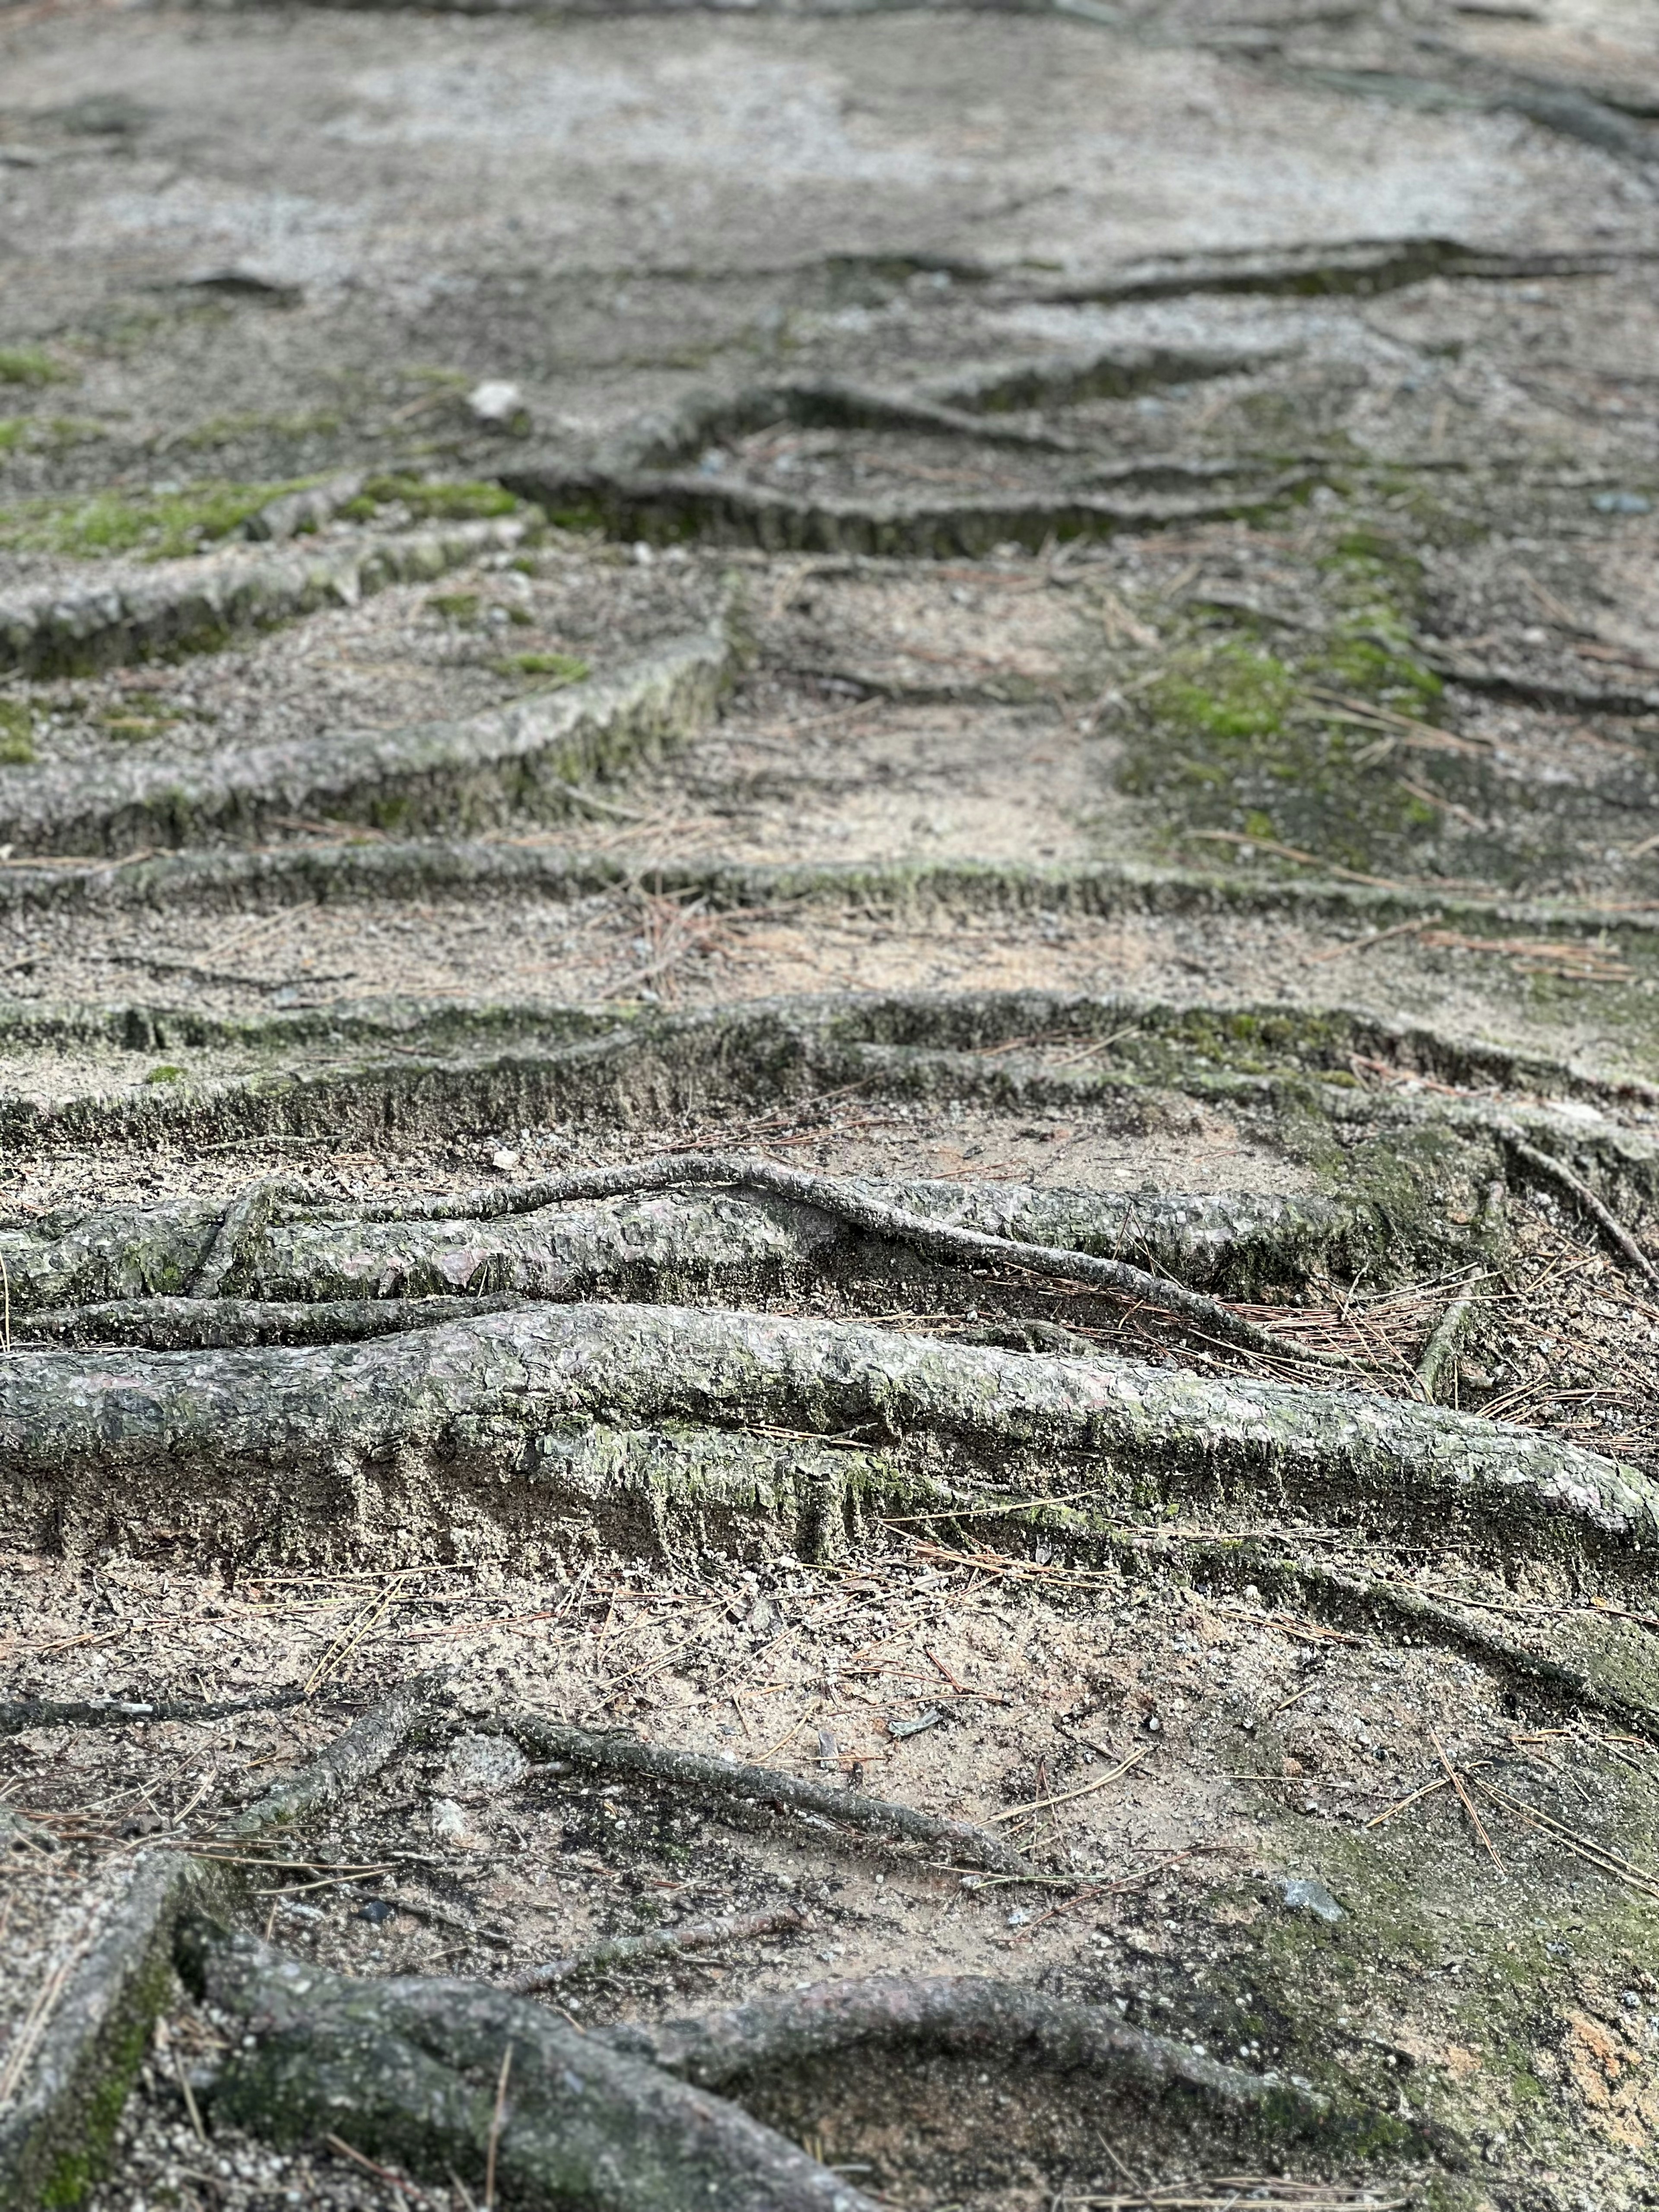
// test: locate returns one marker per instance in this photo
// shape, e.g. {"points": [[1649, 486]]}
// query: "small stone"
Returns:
{"points": [[496, 405], [451, 1826], [505, 1160], [480, 1766], [1306, 1894]]}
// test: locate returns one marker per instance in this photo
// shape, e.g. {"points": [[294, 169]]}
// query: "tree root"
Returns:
{"points": [[1557, 1172], [630, 2115], [165, 1324], [935, 1240], [523, 1428], [416, 2069], [977, 2018], [659, 1943], [197, 606], [687, 1770], [297, 1249], [342, 1766], [19, 1713], [481, 770], [664, 508]]}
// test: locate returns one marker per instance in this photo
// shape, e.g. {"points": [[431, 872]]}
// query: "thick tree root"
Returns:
{"points": [[509, 761], [976, 2019], [843, 1200], [685, 1769], [196, 606], [219, 880], [413, 2068], [56, 2131], [664, 508], [454, 2076], [535, 1429], [73, 1275]]}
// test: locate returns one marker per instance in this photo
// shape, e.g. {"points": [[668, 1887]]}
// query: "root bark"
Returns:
{"points": [[706, 1777]]}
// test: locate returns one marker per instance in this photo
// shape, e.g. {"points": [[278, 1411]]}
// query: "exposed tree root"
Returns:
{"points": [[603, 2119], [413, 2068], [663, 509], [1358, 269], [977, 2018], [343, 1764], [72, 1278], [659, 1943], [538, 1427], [935, 1240], [19, 1713], [475, 772], [685, 1769], [164, 1324], [196, 606], [1557, 1171]]}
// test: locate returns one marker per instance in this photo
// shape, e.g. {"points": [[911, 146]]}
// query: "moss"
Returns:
{"points": [[28, 365], [556, 669], [433, 501], [230, 429], [159, 524], [132, 728], [1239, 743], [16, 733], [455, 606], [165, 1073]]}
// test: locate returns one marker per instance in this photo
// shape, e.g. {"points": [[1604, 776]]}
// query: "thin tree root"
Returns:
{"points": [[686, 1770], [1558, 1171], [1454, 1324], [659, 1943], [19, 1713], [934, 1240], [412, 2069], [364, 1748]]}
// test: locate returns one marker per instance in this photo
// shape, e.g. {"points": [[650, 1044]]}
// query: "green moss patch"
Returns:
{"points": [[551, 670], [27, 365], [432, 501], [16, 733], [1298, 745], [162, 525]]}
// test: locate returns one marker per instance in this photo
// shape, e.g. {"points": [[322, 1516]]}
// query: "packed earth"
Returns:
{"points": [[830, 1106]]}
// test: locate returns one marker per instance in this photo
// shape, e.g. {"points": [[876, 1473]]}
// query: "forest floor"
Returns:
{"points": [[1023, 646]]}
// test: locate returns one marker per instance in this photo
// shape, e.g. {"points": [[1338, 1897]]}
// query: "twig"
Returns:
{"points": [[843, 1201], [1466, 1801], [660, 1942], [1099, 1782], [1593, 1854], [189, 2094], [1365, 943], [337, 2142], [849, 1809]]}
